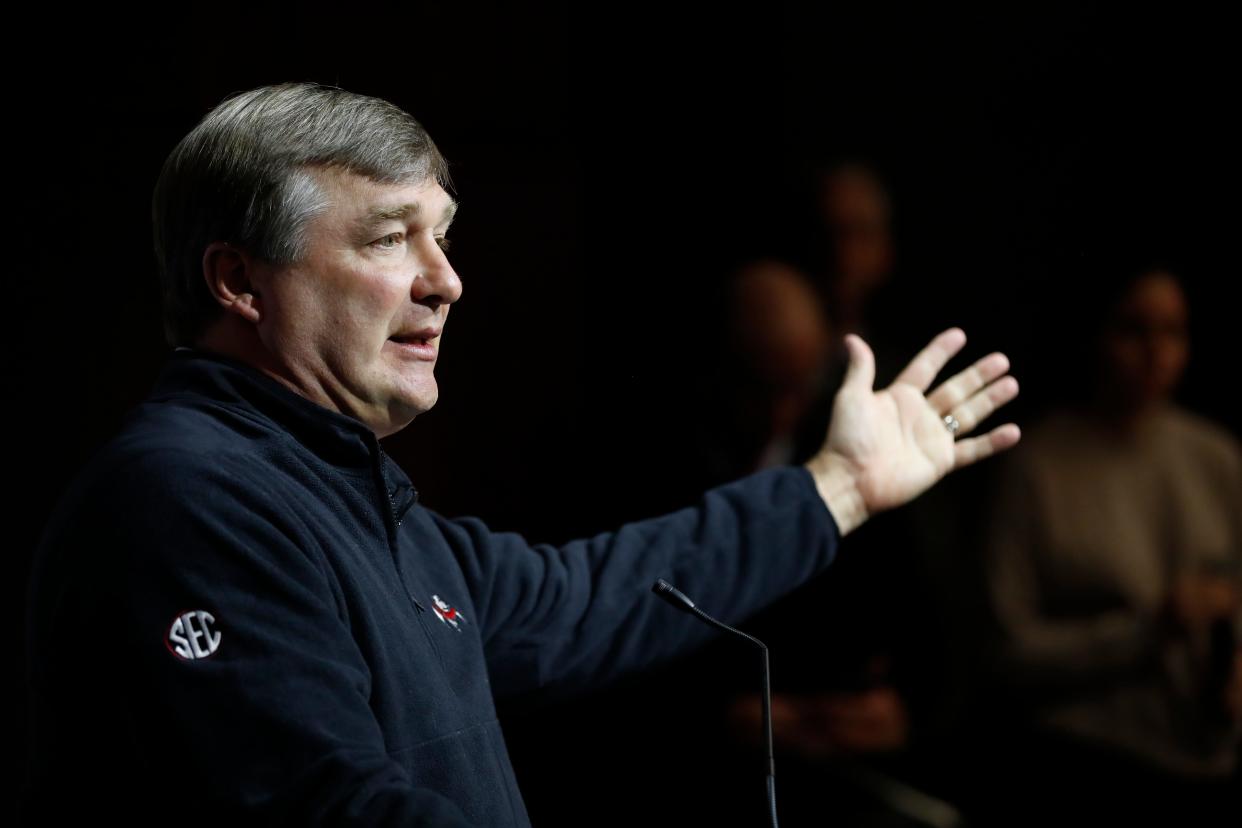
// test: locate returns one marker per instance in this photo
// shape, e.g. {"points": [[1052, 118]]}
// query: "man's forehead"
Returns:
{"points": [[361, 200], [382, 210]]}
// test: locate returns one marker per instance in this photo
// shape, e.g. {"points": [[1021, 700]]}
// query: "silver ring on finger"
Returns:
{"points": [[951, 423]]}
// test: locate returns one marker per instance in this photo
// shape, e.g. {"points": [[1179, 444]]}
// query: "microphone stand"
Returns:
{"points": [[678, 599]]}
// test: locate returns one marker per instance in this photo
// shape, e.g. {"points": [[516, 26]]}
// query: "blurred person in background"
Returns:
{"points": [[783, 344], [844, 729], [856, 217], [1114, 561]]}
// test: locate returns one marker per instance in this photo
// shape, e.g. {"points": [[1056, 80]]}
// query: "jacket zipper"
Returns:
{"points": [[393, 543], [392, 508]]}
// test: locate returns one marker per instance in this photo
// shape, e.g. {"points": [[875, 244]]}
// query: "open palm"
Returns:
{"points": [[896, 441]]}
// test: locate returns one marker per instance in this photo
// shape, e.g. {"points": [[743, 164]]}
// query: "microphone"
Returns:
{"points": [[678, 599]]}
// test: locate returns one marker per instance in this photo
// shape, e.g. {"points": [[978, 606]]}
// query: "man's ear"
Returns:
{"points": [[230, 273]]}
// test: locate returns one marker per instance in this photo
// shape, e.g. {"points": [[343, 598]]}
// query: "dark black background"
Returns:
{"points": [[610, 166]]}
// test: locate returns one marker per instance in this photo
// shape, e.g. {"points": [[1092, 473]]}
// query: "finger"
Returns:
{"points": [[960, 387], [861, 370], [979, 407], [924, 367], [975, 449]]}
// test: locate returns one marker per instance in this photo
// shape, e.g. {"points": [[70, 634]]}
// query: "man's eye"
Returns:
{"points": [[391, 240], [443, 242]]}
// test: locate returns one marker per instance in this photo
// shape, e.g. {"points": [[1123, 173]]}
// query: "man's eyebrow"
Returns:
{"points": [[400, 212]]}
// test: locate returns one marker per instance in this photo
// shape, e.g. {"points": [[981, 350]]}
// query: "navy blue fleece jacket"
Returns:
{"points": [[241, 614]]}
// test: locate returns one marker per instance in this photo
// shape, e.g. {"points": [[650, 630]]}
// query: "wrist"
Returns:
{"points": [[836, 479]]}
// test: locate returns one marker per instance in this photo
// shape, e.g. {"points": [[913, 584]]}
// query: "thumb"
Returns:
{"points": [[861, 371]]}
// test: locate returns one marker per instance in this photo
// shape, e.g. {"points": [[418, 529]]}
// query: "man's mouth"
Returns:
{"points": [[418, 344]]}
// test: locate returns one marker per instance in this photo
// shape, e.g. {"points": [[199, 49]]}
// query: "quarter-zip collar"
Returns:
{"points": [[401, 492], [337, 438]]}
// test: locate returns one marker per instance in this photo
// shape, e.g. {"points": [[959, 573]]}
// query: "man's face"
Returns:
{"points": [[355, 325]]}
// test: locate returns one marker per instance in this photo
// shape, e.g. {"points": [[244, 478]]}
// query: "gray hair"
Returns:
{"points": [[243, 176]]}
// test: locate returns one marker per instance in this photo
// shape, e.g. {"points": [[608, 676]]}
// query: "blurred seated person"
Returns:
{"points": [[783, 351], [1114, 561], [782, 345]]}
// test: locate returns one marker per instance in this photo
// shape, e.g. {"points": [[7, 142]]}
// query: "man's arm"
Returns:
{"points": [[569, 618], [584, 614], [190, 661]]}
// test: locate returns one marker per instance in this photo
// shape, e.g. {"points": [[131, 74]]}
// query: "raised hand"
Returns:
{"points": [[884, 448]]}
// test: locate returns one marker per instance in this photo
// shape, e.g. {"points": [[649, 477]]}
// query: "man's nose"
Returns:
{"points": [[438, 283]]}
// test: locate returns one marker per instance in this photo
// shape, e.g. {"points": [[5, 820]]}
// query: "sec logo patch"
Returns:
{"points": [[191, 637]]}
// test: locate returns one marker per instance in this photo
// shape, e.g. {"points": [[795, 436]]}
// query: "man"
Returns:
{"points": [[288, 636]]}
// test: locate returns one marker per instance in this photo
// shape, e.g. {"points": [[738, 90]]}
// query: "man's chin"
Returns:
{"points": [[402, 412]]}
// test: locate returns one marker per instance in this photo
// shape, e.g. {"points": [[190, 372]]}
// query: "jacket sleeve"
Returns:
{"points": [[571, 618], [230, 673]]}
